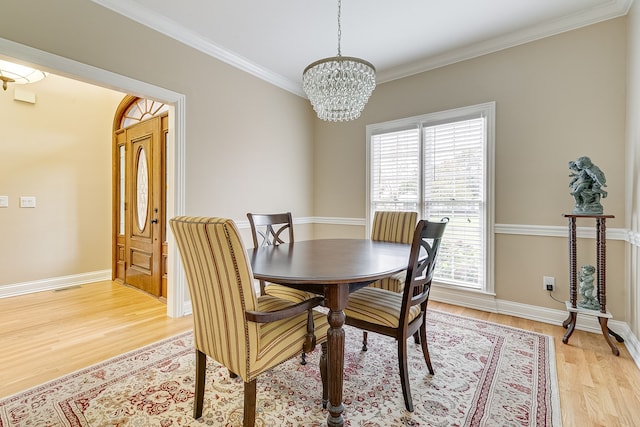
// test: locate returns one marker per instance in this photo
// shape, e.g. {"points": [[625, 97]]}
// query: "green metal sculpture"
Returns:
{"points": [[587, 289], [586, 185]]}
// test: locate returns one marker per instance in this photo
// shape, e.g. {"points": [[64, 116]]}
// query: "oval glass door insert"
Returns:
{"points": [[142, 189]]}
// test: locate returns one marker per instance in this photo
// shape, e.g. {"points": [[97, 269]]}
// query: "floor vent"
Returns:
{"points": [[66, 289]]}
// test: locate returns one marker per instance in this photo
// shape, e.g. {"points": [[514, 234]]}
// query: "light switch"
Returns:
{"points": [[27, 201], [4, 201]]}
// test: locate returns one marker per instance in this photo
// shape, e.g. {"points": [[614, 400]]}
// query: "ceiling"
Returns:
{"points": [[276, 39]]}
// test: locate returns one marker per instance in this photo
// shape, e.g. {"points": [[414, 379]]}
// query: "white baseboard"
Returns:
{"points": [[187, 308], [488, 302], [53, 283]]}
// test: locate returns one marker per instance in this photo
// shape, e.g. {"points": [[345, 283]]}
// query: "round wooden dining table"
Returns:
{"points": [[333, 268]]}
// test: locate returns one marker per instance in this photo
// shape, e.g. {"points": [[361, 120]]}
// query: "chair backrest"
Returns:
{"points": [[394, 226], [268, 229], [220, 281], [422, 263]]}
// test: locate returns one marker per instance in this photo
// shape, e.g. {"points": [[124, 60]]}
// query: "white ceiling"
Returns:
{"points": [[276, 39]]}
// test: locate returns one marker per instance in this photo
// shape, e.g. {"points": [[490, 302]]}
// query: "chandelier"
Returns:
{"points": [[19, 74], [339, 87]]}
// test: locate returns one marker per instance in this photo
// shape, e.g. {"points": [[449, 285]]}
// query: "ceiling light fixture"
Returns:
{"points": [[19, 74], [339, 87]]}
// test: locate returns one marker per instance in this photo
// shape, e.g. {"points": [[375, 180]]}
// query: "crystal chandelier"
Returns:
{"points": [[19, 74], [339, 87]]}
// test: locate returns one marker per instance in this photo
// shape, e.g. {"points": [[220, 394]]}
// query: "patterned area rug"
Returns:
{"points": [[485, 375]]}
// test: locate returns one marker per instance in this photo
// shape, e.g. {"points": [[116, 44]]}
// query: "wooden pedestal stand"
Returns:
{"points": [[572, 307]]}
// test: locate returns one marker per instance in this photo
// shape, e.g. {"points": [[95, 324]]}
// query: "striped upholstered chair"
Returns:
{"points": [[270, 229], [246, 333], [401, 315], [267, 230], [396, 227]]}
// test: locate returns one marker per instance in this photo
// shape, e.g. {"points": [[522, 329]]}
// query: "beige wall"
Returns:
{"points": [[633, 168], [58, 150], [556, 99], [239, 128], [248, 143]]}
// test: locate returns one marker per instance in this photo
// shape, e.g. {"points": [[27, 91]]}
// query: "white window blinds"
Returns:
{"points": [[395, 162], [438, 165], [453, 188]]}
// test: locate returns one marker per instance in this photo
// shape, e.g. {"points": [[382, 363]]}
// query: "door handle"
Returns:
{"points": [[154, 221]]}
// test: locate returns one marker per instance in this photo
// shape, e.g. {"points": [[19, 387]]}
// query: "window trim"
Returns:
{"points": [[488, 110]]}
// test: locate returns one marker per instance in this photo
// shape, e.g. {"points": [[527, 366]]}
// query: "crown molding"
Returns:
{"points": [[599, 13], [170, 28]]}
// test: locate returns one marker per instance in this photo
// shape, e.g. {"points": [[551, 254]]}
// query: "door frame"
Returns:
{"points": [[176, 286]]}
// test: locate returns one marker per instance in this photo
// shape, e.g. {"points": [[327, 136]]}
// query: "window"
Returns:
{"points": [[440, 165], [141, 110]]}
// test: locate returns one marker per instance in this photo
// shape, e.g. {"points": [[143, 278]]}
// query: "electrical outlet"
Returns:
{"points": [[548, 283], [27, 201]]}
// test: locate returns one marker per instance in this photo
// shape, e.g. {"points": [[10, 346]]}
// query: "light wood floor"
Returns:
{"points": [[49, 334]]}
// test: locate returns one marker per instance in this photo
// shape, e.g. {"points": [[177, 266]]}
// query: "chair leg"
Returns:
{"points": [[232, 374], [404, 374], [425, 347], [201, 371], [249, 404], [364, 341], [309, 338], [416, 338], [323, 374]]}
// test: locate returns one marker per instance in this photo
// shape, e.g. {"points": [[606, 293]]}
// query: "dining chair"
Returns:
{"points": [[401, 315], [395, 227], [247, 333], [271, 229], [275, 229]]}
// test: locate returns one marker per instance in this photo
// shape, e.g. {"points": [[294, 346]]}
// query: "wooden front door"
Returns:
{"points": [[139, 195], [139, 205], [143, 215]]}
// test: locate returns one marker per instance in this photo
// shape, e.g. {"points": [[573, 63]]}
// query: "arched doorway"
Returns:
{"points": [[139, 244]]}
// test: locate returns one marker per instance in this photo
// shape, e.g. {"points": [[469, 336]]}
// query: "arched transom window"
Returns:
{"points": [[140, 110]]}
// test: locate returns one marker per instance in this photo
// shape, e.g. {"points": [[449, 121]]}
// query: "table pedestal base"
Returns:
{"points": [[336, 298]]}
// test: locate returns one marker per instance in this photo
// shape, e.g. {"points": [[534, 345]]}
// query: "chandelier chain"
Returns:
{"points": [[339, 27]]}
